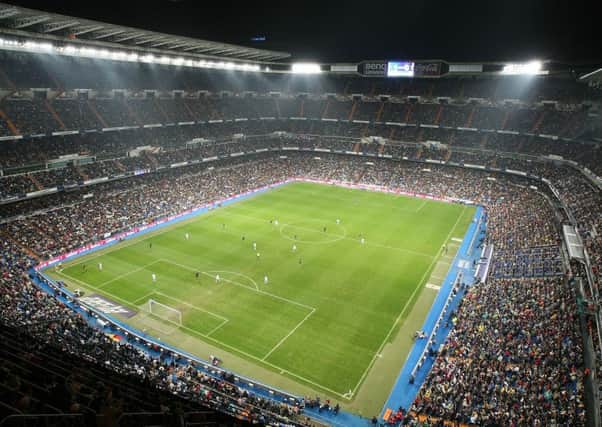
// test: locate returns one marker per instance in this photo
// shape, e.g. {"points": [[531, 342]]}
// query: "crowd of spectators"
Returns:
{"points": [[540, 261], [514, 356], [32, 154], [83, 370], [583, 199], [50, 323], [39, 116], [75, 113], [174, 147], [31, 117], [79, 114], [488, 328]]}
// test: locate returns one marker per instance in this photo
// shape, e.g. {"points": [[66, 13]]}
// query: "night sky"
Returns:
{"points": [[351, 31]]}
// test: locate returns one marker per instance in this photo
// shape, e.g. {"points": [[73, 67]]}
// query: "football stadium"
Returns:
{"points": [[206, 233]]}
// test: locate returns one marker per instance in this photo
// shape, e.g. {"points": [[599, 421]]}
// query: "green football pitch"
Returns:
{"points": [[333, 279]]}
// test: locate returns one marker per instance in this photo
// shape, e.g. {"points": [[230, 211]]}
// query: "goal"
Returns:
{"points": [[165, 312]]}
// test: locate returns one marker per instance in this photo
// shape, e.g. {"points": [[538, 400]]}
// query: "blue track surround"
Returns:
{"points": [[402, 394]]}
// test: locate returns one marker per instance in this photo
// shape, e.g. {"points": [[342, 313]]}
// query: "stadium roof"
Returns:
{"points": [[593, 77], [19, 21]]}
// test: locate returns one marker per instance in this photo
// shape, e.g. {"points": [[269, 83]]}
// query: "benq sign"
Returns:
{"points": [[373, 68]]}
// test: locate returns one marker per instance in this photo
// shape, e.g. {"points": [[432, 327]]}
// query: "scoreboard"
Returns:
{"points": [[380, 68], [400, 69]]}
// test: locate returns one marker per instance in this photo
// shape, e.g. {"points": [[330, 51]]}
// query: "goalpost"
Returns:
{"points": [[165, 312]]}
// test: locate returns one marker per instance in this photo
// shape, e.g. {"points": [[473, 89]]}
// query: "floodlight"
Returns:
{"points": [[306, 68], [123, 55], [527, 68]]}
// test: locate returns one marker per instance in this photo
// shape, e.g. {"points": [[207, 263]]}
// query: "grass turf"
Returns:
{"points": [[328, 307]]}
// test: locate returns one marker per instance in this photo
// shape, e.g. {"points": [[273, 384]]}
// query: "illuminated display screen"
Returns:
{"points": [[400, 69]]}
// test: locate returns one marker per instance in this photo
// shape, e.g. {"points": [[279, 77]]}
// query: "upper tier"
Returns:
{"points": [[23, 70]]}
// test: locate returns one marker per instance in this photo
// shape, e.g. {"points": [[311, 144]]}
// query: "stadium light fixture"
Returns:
{"points": [[305, 68], [123, 55], [526, 68]]}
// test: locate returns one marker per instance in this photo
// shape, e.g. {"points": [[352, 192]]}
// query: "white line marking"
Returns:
{"points": [[421, 206], [433, 287], [191, 305], [222, 318], [216, 328], [368, 242], [288, 335], [115, 246], [135, 239], [371, 202], [121, 276], [87, 285], [243, 286], [292, 374], [236, 274], [405, 307], [346, 395], [409, 251], [144, 315], [137, 300], [403, 310], [331, 237]]}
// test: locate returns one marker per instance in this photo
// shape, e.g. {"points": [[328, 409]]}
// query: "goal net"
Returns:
{"points": [[165, 312]]}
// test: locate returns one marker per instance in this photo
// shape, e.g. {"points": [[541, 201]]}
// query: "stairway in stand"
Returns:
{"points": [[94, 111], [9, 123], [506, 118], [538, 121], [55, 115], [438, 116], [120, 165], [325, 112], [33, 179], [81, 173], [419, 152], [470, 117], [162, 111], [352, 112], [132, 113]]}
